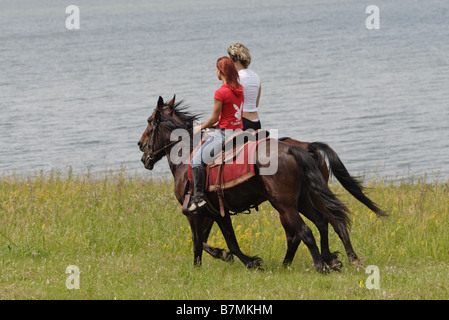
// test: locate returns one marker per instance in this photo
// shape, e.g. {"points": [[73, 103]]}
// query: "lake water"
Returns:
{"points": [[80, 98]]}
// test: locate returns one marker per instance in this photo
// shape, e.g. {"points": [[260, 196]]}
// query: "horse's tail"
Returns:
{"points": [[318, 188], [351, 184]]}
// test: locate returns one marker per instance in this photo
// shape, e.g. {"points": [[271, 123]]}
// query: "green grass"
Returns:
{"points": [[127, 236]]}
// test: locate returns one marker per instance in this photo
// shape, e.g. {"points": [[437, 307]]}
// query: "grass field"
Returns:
{"points": [[129, 240]]}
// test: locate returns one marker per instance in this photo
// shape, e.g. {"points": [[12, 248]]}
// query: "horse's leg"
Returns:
{"points": [[226, 228], [342, 231], [321, 222], [217, 253], [296, 230], [196, 222], [293, 240], [283, 190]]}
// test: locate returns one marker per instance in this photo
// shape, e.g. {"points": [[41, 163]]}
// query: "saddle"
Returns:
{"points": [[233, 166]]}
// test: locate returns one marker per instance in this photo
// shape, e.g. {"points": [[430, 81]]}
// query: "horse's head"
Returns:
{"points": [[156, 139], [151, 141]]}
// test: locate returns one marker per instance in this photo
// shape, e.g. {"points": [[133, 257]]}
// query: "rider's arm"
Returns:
{"points": [[215, 115], [258, 96]]}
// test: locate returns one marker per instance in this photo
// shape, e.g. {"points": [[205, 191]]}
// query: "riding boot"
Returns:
{"points": [[199, 181]]}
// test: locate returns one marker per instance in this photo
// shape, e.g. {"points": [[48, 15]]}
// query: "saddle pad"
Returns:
{"points": [[233, 172]]}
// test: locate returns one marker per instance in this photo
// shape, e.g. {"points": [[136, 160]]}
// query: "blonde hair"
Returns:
{"points": [[238, 52]]}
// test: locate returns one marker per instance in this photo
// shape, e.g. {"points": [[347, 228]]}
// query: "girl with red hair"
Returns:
{"points": [[226, 116]]}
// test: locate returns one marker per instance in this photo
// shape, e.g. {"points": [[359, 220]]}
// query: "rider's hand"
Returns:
{"points": [[197, 129]]}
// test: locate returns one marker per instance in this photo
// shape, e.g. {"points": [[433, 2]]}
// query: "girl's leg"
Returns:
{"points": [[204, 156]]}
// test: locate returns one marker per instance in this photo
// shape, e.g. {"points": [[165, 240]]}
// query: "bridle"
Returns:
{"points": [[153, 154]]}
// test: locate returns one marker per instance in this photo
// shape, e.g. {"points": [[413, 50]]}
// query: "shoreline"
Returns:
{"points": [[123, 172]]}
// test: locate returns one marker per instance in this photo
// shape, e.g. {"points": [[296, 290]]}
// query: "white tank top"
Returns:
{"points": [[250, 82]]}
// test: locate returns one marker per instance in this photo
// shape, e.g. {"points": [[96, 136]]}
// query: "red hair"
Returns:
{"points": [[227, 68]]}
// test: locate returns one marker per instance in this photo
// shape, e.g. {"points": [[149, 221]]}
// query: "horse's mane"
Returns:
{"points": [[180, 111]]}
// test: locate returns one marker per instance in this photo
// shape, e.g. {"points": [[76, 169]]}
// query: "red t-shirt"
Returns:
{"points": [[231, 112]]}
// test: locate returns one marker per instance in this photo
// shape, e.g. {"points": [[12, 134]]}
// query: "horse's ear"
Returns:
{"points": [[160, 103], [157, 115], [171, 104]]}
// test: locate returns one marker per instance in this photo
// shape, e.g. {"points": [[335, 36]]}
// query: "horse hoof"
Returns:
{"points": [[323, 270], [357, 261], [227, 256], [336, 265], [197, 264], [255, 264]]}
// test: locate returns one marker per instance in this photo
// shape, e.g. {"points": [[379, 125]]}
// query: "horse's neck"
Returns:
{"points": [[180, 176], [179, 167]]}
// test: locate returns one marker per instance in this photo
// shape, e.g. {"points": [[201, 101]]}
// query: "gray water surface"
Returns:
{"points": [[80, 98]]}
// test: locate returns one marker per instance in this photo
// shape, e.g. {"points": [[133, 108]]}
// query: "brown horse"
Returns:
{"points": [[297, 181]]}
